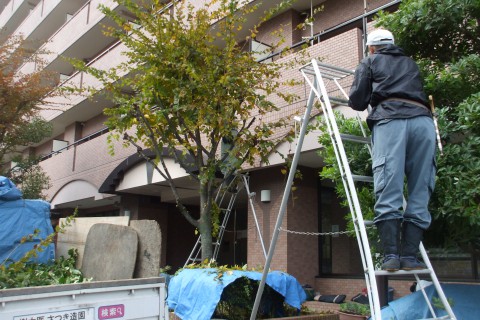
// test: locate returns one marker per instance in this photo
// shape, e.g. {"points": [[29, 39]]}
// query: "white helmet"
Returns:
{"points": [[380, 37]]}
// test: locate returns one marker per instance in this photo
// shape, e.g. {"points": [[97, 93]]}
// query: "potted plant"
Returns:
{"points": [[353, 311]]}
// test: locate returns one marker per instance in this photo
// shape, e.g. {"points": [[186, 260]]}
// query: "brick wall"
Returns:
{"points": [[44, 148], [336, 12], [88, 161], [268, 32], [93, 125], [353, 286], [302, 214], [273, 180], [295, 254], [343, 51], [72, 132]]}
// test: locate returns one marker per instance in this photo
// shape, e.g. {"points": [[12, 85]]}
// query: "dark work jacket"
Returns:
{"points": [[388, 74]]}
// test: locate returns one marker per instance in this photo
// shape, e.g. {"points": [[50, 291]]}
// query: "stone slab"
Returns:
{"points": [[110, 252], [75, 235], [149, 248]]}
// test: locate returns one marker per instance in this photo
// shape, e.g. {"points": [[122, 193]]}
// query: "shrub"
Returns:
{"points": [[355, 308]]}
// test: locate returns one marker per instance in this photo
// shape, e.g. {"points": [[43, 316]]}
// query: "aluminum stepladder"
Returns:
{"points": [[227, 194], [314, 74]]}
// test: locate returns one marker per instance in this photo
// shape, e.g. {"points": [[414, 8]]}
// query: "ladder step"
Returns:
{"points": [[368, 223], [339, 101], [401, 272], [362, 178], [354, 138]]}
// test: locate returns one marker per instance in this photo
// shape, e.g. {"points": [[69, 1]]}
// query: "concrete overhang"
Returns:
{"points": [[81, 194]]}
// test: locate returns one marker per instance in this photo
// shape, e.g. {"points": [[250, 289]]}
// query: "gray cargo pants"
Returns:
{"points": [[404, 147]]}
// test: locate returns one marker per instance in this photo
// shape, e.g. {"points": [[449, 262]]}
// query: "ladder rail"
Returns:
{"points": [[422, 288], [219, 198], [423, 252], [375, 309], [436, 283], [194, 253], [221, 231], [345, 183], [316, 69]]}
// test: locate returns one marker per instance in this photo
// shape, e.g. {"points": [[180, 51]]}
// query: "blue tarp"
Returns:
{"points": [[465, 297], [19, 218], [193, 294]]}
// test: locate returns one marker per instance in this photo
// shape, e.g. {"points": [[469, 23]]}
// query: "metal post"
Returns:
{"points": [[249, 194], [283, 205], [382, 285]]}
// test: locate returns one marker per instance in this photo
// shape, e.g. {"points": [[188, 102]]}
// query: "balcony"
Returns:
{"points": [[14, 12], [80, 37], [64, 110], [47, 17]]}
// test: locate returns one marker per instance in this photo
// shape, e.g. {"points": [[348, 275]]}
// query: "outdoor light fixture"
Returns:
{"points": [[299, 120], [265, 196]]}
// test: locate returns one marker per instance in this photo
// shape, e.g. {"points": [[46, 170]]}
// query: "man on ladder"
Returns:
{"points": [[403, 137]]}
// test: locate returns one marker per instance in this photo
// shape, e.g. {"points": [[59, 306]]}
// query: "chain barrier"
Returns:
{"points": [[335, 233]]}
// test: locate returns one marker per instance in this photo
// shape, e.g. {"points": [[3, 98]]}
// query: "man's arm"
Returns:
{"points": [[361, 89]]}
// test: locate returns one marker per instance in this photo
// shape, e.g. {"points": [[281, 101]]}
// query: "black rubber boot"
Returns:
{"points": [[389, 231], [411, 238]]}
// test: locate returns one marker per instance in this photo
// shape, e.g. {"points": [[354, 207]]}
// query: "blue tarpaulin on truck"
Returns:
{"points": [[464, 298], [194, 293], [20, 218]]}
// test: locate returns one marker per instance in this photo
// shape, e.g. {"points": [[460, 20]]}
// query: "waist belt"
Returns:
{"points": [[416, 103]]}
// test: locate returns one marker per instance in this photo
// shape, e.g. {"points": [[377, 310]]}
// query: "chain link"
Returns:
{"points": [[306, 233]]}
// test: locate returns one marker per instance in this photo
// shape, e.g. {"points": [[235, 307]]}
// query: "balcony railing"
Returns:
{"points": [[325, 33], [9, 10], [71, 30], [76, 143], [35, 17]]}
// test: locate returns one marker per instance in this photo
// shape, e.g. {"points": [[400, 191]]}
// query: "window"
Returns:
{"points": [[58, 145], [325, 225], [63, 77], [260, 50]]}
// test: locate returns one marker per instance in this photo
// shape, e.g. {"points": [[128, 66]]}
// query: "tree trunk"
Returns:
{"points": [[205, 220]]}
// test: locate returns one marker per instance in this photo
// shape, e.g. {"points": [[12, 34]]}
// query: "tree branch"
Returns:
{"points": [[166, 175]]}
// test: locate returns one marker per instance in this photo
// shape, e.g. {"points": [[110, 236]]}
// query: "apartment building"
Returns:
{"points": [[85, 176]]}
